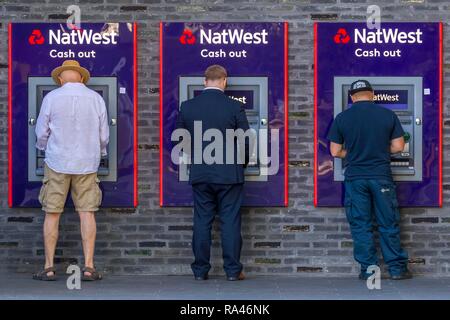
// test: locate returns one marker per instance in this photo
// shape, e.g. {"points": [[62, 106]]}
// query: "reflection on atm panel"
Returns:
{"points": [[38, 87], [252, 92], [403, 95]]}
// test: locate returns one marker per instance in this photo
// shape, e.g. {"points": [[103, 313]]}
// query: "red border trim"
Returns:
{"points": [[161, 166], [10, 65], [135, 116], [286, 114], [441, 55], [315, 112]]}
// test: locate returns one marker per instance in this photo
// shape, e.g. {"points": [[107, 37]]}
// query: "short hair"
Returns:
{"points": [[215, 72]]}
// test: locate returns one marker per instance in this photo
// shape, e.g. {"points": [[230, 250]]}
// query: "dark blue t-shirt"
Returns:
{"points": [[366, 129]]}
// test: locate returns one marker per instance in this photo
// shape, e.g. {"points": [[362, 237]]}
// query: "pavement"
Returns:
{"points": [[139, 287]]}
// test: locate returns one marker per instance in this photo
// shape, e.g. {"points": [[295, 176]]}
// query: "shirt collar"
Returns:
{"points": [[362, 101], [70, 84], [213, 88]]}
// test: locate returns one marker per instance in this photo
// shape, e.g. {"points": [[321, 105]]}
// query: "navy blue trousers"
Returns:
{"points": [[225, 200], [365, 199]]}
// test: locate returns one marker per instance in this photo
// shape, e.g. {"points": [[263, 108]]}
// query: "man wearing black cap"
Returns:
{"points": [[370, 134]]}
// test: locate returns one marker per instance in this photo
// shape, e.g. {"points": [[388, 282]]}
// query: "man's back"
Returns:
{"points": [[215, 111], [72, 128], [366, 129]]}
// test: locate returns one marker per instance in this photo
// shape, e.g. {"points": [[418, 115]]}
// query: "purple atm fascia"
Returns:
{"points": [[409, 69], [109, 52], [258, 77]]}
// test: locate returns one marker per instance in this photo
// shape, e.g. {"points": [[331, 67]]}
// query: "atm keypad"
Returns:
{"points": [[400, 164], [103, 168]]}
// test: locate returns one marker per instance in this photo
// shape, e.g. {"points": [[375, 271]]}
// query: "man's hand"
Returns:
{"points": [[397, 145], [337, 150]]}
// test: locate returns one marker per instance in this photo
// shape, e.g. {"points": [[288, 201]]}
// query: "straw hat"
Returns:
{"points": [[70, 65]]}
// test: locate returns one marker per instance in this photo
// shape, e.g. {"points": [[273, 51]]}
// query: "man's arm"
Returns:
{"points": [[397, 140], [180, 123], [104, 128], [180, 120], [336, 140], [42, 125], [242, 123], [337, 150]]}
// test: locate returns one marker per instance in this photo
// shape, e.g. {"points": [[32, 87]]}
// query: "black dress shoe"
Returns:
{"points": [[241, 276], [199, 278], [402, 276], [364, 276]]}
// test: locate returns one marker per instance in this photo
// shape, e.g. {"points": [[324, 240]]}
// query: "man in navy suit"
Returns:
{"points": [[217, 186]]}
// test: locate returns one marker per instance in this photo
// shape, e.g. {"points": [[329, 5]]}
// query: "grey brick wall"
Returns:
{"points": [[299, 240]]}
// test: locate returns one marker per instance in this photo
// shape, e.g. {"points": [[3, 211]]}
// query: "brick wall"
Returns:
{"points": [[299, 240]]}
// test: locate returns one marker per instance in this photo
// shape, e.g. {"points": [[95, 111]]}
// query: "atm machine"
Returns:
{"points": [[258, 78], [410, 86], [113, 70], [403, 95], [252, 92], [38, 87]]}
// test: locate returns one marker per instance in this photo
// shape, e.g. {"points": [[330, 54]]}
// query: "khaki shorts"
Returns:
{"points": [[85, 191]]}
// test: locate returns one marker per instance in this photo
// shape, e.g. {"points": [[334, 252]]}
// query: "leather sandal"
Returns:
{"points": [[43, 274], [94, 274]]}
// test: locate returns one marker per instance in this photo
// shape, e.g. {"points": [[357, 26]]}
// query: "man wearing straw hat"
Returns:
{"points": [[72, 129]]}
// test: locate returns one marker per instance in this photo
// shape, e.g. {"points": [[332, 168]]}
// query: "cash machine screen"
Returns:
{"points": [[246, 97], [252, 93], [390, 99], [405, 100]]}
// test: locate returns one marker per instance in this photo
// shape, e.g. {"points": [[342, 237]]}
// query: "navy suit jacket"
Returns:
{"points": [[215, 110]]}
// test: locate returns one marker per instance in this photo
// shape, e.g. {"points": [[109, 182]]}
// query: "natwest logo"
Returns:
{"points": [[187, 37], [386, 97], [390, 35], [82, 37], [228, 36], [341, 36], [36, 37]]}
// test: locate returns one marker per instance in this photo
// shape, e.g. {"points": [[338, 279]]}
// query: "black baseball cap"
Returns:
{"points": [[360, 85]]}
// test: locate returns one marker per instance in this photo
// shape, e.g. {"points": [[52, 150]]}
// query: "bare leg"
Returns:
{"points": [[51, 225], [88, 234]]}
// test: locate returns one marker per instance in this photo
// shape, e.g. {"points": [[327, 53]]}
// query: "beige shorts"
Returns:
{"points": [[85, 191]]}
